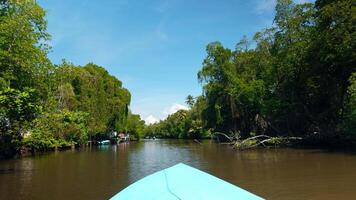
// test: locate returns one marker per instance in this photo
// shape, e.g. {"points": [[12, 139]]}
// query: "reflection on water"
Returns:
{"points": [[100, 172]]}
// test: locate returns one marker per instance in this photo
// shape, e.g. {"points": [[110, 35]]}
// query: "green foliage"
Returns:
{"points": [[23, 47], [296, 80], [134, 126], [190, 100], [182, 124], [24, 66], [172, 127], [93, 90], [78, 102], [276, 141], [58, 130], [39, 141], [350, 109], [17, 110]]}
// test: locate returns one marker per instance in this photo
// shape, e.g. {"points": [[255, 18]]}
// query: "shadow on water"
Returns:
{"points": [[331, 150]]}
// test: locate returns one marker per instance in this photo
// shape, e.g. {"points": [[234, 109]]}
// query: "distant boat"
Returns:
{"points": [[104, 142], [124, 137], [183, 182]]}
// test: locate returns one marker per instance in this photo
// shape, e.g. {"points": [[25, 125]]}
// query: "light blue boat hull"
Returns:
{"points": [[183, 182]]}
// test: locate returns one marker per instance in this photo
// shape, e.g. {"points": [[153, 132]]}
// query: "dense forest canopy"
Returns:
{"points": [[296, 78], [92, 90], [43, 105]]}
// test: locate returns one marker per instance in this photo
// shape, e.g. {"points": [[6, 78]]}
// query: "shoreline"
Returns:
{"points": [[341, 145]]}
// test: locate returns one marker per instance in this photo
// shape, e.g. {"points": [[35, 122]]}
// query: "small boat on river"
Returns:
{"points": [[104, 142], [183, 182]]}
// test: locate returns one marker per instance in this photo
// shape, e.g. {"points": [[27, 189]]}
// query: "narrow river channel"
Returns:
{"points": [[100, 172]]}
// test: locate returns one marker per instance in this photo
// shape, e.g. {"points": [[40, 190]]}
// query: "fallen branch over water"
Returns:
{"points": [[222, 136], [263, 141], [197, 141]]}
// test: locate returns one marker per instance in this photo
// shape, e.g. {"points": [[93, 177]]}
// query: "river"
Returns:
{"points": [[100, 172]]}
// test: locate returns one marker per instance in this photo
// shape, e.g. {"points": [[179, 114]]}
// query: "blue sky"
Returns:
{"points": [[155, 47]]}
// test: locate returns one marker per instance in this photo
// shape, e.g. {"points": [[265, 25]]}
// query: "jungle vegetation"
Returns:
{"points": [[43, 105], [295, 78]]}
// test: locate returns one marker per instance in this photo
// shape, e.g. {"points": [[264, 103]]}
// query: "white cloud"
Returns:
{"points": [[158, 115], [174, 108], [151, 120]]}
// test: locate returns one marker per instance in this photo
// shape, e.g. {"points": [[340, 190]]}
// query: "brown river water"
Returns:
{"points": [[100, 172]]}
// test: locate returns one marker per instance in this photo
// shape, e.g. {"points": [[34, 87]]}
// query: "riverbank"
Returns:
{"points": [[331, 143], [266, 141], [328, 143]]}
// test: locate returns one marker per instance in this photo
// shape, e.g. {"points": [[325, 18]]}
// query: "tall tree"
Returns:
{"points": [[189, 100], [23, 47], [23, 66]]}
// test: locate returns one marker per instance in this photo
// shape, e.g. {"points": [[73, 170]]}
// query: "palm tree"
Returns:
{"points": [[190, 100]]}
